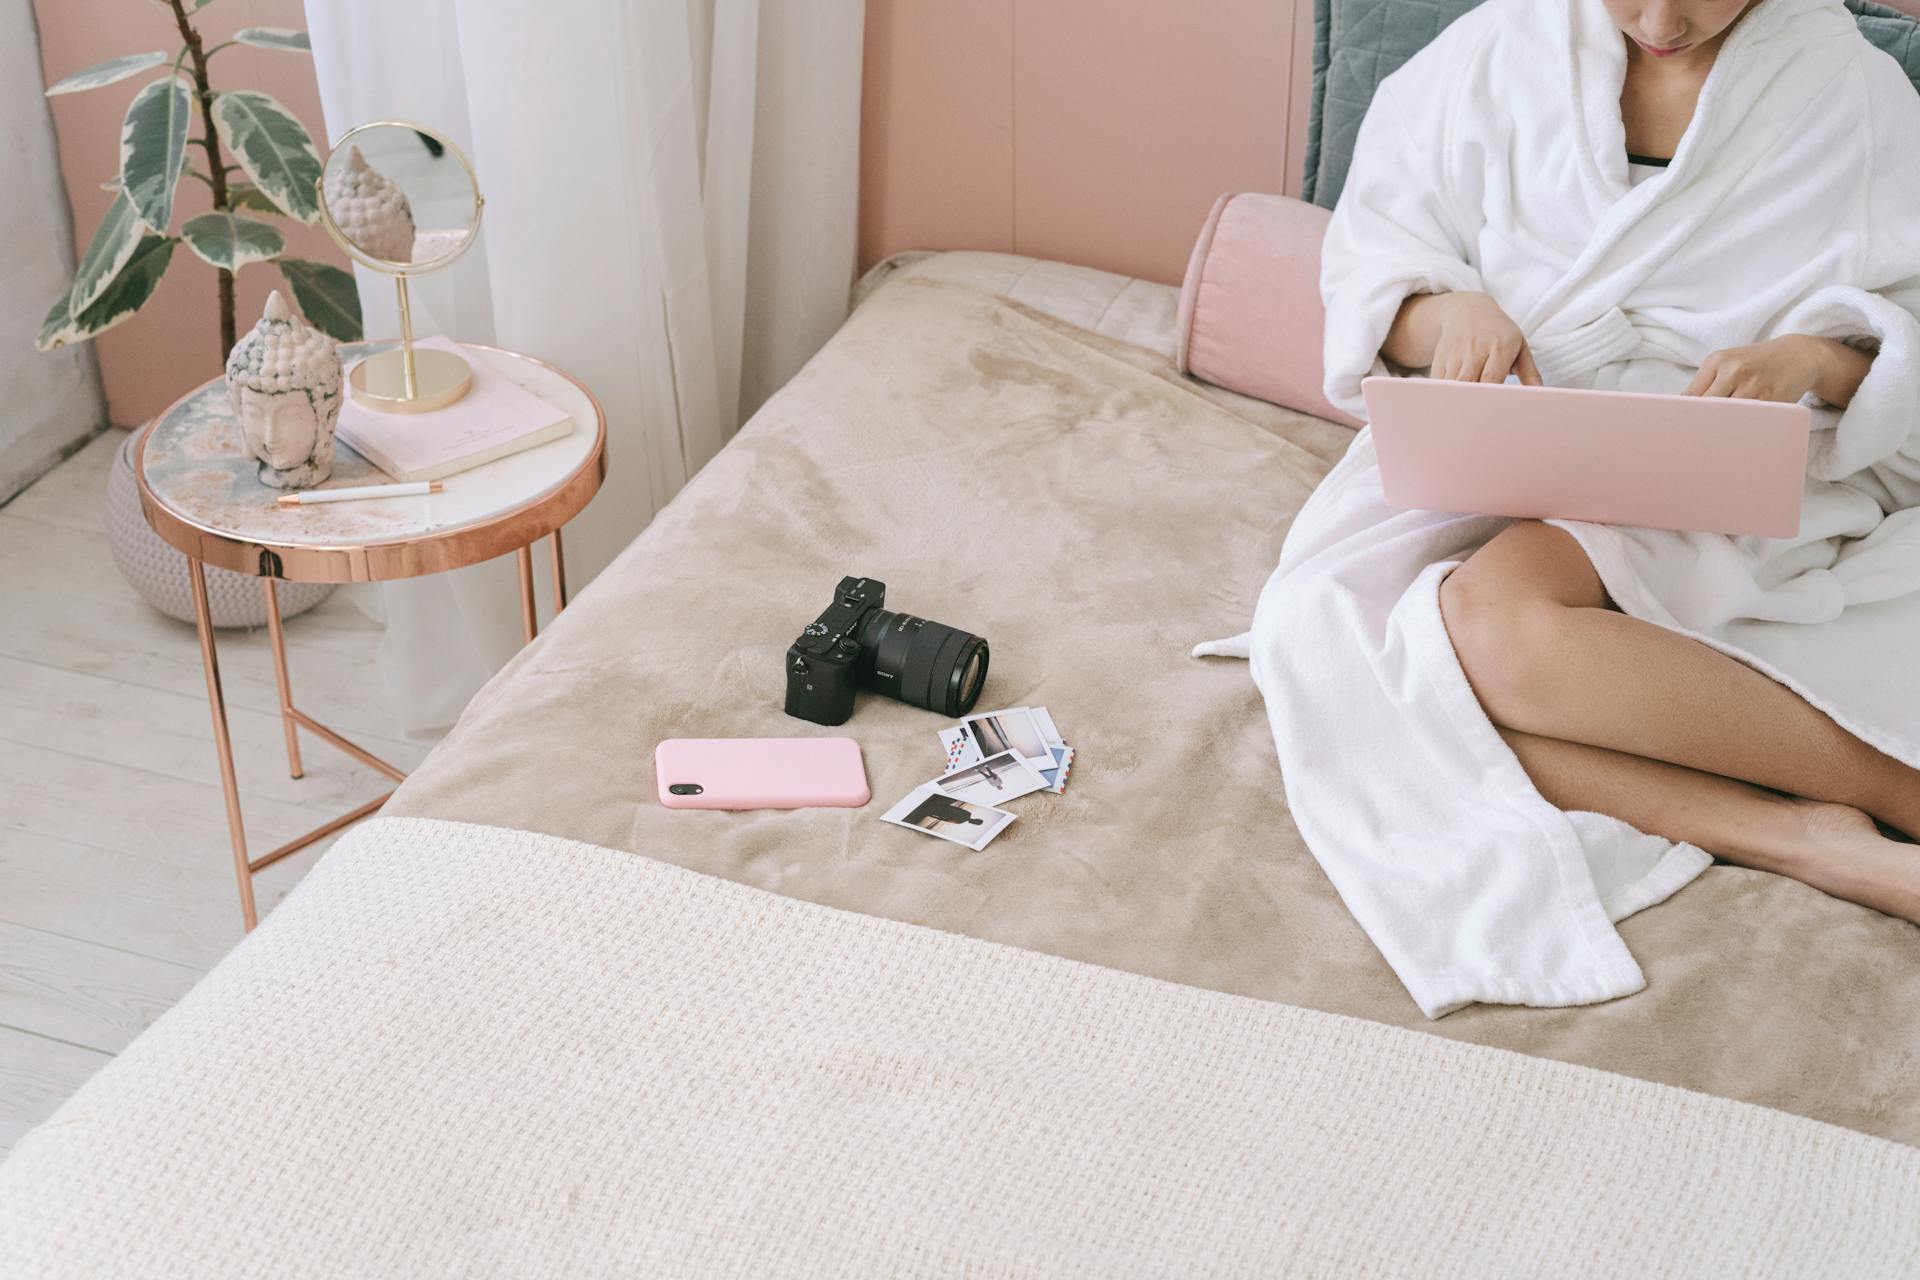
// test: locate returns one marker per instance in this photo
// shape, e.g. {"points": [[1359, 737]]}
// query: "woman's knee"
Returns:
{"points": [[1477, 607], [1505, 631]]}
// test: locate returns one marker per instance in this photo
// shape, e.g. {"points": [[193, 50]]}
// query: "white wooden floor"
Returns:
{"points": [[116, 880]]}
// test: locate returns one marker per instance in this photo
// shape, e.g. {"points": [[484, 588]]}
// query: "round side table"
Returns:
{"points": [[201, 493]]}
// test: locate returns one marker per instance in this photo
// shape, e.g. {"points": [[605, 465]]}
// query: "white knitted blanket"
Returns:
{"points": [[459, 1050]]}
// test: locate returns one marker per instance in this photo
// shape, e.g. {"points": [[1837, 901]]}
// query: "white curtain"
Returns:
{"points": [[671, 191]]}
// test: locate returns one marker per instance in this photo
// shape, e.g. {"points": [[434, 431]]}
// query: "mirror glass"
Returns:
{"points": [[402, 197]]}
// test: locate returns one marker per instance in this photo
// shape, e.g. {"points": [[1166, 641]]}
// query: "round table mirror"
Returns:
{"points": [[402, 199]]}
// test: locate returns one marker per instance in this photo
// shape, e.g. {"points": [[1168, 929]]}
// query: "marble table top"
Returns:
{"points": [[195, 466]]}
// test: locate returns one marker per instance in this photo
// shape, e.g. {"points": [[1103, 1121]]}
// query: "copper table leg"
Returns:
{"points": [[529, 619], [292, 719], [277, 635], [222, 742], [333, 739]]}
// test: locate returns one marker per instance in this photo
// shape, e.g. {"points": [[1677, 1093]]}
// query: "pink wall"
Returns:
{"points": [[173, 343], [1095, 131]]}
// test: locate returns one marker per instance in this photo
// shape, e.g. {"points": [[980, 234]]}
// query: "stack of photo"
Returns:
{"points": [[991, 758]]}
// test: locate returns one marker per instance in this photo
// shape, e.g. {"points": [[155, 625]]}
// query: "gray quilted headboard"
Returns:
{"points": [[1359, 43]]}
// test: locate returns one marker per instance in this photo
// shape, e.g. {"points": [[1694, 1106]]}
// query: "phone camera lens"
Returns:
{"points": [[686, 789]]}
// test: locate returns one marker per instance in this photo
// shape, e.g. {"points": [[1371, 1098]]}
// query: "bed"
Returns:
{"points": [[1125, 514], [530, 1020]]}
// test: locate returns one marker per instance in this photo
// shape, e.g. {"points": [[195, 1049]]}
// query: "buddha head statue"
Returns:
{"points": [[283, 380], [370, 208]]}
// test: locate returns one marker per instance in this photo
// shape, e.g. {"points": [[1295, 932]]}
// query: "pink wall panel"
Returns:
{"points": [[1130, 116], [936, 127], [173, 343], [1094, 131]]}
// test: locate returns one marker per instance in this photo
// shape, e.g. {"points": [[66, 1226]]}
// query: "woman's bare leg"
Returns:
{"points": [[1546, 656], [1834, 848]]}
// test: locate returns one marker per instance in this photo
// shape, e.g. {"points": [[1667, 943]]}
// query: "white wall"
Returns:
{"points": [[48, 402]]}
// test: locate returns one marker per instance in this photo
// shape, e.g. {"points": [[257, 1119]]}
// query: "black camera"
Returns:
{"points": [[857, 644]]}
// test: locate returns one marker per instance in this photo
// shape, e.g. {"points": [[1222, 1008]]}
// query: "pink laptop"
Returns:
{"points": [[1612, 457]]}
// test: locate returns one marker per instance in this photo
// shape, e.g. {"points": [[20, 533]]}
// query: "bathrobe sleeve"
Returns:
{"points": [[1398, 229], [1876, 442]]}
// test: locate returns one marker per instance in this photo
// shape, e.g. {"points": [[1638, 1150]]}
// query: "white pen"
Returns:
{"points": [[353, 493]]}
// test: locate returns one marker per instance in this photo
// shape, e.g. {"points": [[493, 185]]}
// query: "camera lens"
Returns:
{"points": [[922, 663]]}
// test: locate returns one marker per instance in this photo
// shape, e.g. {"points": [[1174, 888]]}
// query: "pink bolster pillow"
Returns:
{"points": [[1251, 319]]}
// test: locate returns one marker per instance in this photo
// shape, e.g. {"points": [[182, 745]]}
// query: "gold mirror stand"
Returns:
{"points": [[409, 379]]}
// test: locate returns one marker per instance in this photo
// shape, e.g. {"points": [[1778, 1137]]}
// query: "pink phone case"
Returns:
{"points": [[760, 773]]}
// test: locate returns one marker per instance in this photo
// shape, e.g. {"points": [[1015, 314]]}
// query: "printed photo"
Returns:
{"points": [[992, 781], [1013, 730], [960, 821], [1056, 777], [959, 747]]}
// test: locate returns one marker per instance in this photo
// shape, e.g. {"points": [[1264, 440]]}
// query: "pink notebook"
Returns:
{"points": [[1611, 457], [497, 417]]}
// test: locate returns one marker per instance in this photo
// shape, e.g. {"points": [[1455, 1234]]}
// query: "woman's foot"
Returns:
{"points": [[1840, 850]]}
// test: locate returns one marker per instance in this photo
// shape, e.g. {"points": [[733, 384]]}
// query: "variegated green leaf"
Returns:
{"points": [[230, 241], [57, 329], [283, 38], [126, 294], [327, 297], [245, 195], [153, 149], [273, 148], [106, 72], [114, 241]]}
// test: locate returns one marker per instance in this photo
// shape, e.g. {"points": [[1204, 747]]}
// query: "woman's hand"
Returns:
{"points": [[1460, 337], [1784, 369]]}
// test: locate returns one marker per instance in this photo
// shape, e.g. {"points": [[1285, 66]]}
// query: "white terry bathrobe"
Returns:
{"points": [[1496, 161]]}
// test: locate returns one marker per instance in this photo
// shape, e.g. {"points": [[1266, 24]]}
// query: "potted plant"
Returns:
{"points": [[273, 171]]}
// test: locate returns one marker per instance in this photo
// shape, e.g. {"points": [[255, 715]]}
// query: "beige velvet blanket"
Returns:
{"points": [[1093, 514]]}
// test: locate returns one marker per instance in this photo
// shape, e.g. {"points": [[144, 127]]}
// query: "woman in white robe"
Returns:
{"points": [[1498, 737]]}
